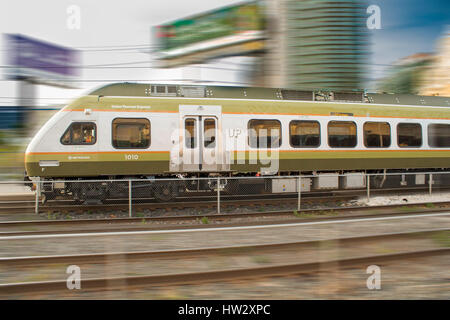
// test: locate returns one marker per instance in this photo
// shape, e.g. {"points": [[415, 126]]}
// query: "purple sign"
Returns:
{"points": [[27, 55]]}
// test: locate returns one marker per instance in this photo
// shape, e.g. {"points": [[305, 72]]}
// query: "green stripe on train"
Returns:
{"points": [[106, 168]]}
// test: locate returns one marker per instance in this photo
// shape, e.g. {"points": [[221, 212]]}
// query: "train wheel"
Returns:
{"points": [[232, 186], [90, 193], [164, 192]]}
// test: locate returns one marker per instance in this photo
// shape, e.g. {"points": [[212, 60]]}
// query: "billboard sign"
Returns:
{"points": [[229, 26], [40, 62]]}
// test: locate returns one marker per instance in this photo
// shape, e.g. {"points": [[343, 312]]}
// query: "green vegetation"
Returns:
{"points": [[442, 238], [29, 228], [261, 259], [383, 250], [405, 78], [12, 147], [315, 214], [204, 220], [171, 295]]}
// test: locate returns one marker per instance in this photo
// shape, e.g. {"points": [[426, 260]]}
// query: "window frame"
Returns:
{"points": [[257, 147], [428, 134], [305, 147], [421, 135], [196, 138], [204, 133], [390, 134], [71, 134], [149, 130], [346, 121]]}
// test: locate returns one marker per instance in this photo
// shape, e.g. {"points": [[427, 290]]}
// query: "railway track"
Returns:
{"points": [[17, 205], [11, 229], [184, 278], [189, 253], [150, 204]]}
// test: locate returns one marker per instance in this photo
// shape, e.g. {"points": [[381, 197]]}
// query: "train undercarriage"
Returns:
{"points": [[169, 188]]}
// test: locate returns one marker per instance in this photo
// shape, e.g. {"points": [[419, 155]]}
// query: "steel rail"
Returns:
{"points": [[213, 228], [97, 284], [164, 205], [205, 251], [139, 224]]}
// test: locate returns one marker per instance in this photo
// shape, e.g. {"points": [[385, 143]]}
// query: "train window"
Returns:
{"points": [[264, 133], [304, 134], [80, 133], [377, 134], [130, 133], [209, 128], [439, 135], [190, 127], [342, 134], [409, 135]]}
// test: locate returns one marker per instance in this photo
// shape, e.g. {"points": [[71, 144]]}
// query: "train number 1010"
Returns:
{"points": [[131, 157]]}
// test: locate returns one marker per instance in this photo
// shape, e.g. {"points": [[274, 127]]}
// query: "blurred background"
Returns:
{"points": [[54, 51]]}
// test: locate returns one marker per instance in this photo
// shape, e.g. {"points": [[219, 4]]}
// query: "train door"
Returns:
{"points": [[209, 145], [200, 148], [190, 145], [201, 139]]}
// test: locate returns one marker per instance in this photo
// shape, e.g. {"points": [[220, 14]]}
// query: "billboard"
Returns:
{"points": [[40, 62], [231, 30]]}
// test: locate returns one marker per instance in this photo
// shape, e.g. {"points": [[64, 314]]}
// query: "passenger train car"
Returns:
{"points": [[148, 132]]}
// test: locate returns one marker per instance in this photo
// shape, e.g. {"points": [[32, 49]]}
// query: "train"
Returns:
{"points": [[149, 132]]}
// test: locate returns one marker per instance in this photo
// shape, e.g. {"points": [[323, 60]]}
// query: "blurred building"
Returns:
{"points": [[316, 44], [407, 74], [306, 44], [436, 78], [236, 30], [421, 73], [30, 62]]}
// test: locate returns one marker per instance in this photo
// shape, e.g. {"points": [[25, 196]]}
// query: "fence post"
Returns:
{"points": [[218, 195], [129, 198], [38, 191], [368, 187], [299, 204], [430, 184]]}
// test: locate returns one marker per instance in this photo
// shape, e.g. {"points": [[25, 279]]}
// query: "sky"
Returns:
{"points": [[408, 27]]}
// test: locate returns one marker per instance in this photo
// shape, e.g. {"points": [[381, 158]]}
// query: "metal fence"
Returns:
{"points": [[223, 190]]}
